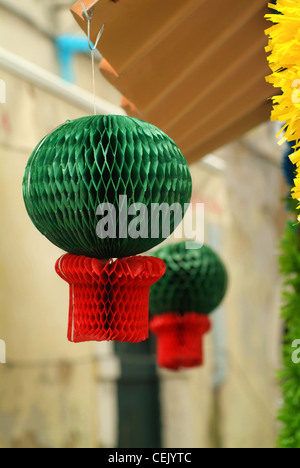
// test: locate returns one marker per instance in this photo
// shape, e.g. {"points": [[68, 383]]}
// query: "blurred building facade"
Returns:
{"points": [[57, 394]]}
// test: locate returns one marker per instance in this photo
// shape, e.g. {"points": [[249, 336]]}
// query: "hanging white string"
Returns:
{"points": [[88, 17]]}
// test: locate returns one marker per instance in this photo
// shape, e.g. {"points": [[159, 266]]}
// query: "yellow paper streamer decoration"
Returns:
{"points": [[284, 61]]}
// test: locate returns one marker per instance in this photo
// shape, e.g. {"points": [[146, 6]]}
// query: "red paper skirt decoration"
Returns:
{"points": [[109, 300], [179, 339]]}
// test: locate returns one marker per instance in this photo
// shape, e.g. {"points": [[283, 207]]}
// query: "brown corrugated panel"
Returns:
{"points": [[194, 68]]}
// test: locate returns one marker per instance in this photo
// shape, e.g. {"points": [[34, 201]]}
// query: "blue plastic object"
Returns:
{"points": [[68, 45]]}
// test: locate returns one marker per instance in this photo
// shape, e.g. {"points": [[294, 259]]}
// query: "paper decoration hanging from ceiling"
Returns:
{"points": [[193, 286], [90, 187]]}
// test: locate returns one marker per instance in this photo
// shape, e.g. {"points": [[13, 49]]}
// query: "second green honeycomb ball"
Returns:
{"points": [[195, 281]]}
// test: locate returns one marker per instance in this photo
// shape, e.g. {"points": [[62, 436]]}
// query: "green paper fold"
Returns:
{"points": [[195, 280], [95, 160]]}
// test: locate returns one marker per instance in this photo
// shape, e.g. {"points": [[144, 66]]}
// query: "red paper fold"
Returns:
{"points": [[109, 300], [179, 339]]}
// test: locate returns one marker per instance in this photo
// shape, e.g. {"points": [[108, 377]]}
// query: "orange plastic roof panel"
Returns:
{"points": [[194, 68]]}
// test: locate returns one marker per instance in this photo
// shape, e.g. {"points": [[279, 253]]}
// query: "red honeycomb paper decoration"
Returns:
{"points": [[179, 339], [109, 299]]}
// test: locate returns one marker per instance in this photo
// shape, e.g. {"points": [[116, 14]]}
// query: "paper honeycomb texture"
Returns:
{"points": [[179, 339], [109, 300], [93, 161], [195, 280]]}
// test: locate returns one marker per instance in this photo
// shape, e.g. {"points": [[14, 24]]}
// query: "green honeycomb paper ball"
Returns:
{"points": [[195, 280], [96, 160]]}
